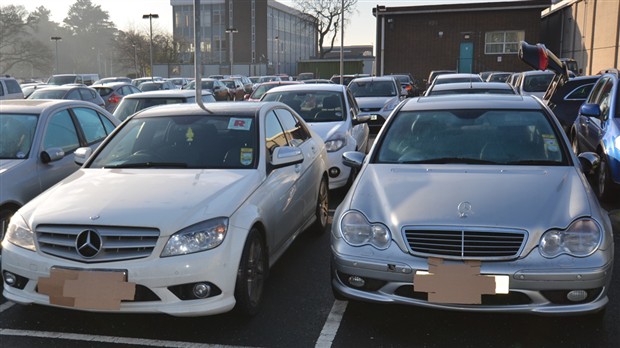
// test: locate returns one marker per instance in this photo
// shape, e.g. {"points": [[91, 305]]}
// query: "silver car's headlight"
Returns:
{"points": [[20, 234], [335, 143], [580, 239], [357, 231], [199, 237], [390, 106]]}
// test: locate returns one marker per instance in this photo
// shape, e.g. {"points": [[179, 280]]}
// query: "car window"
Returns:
{"points": [[580, 93], [593, 97], [604, 99], [104, 91], [182, 142], [372, 88], [293, 127], [61, 132], [74, 95], [274, 134], [87, 94], [17, 134], [537, 83], [91, 124], [12, 86], [514, 137], [47, 94]]}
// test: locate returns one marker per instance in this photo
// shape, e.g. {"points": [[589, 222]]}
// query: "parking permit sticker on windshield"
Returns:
{"points": [[551, 143], [246, 156], [240, 123]]}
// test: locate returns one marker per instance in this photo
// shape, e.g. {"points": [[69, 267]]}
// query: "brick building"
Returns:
{"points": [[470, 37]]}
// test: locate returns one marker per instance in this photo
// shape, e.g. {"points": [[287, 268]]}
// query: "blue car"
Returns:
{"points": [[597, 129]]}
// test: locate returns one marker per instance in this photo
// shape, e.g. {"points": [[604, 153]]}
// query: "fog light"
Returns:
{"points": [[334, 172], [202, 290], [10, 279], [577, 295], [356, 281]]}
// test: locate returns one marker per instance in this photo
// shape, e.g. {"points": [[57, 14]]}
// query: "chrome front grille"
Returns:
{"points": [[109, 243], [470, 243]]}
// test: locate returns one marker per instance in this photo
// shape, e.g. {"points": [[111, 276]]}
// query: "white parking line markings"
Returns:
{"points": [[331, 324]]}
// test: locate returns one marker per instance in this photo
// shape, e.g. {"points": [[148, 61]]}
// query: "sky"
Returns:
{"points": [[127, 14]]}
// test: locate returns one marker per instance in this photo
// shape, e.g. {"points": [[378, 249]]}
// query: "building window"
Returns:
{"points": [[503, 42]]}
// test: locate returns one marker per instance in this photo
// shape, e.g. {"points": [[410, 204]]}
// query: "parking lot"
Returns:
{"points": [[300, 311]]}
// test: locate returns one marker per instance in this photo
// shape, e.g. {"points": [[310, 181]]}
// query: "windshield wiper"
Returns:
{"points": [[150, 165], [446, 160], [535, 163]]}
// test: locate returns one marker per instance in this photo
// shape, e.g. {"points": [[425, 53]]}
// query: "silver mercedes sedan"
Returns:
{"points": [[473, 203]]}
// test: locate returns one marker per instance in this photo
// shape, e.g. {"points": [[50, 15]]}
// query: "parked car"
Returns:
{"points": [[10, 88], [113, 92], [534, 82], [112, 79], [216, 87], [566, 100], [498, 76], [70, 92], [137, 81], [235, 88], [234, 187], [262, 88], [512, 80], [376, 97], [63, 79], [473, 203], [597, 128], [37, 143], [248, 85], [133, 103], [346, 79], [409, 86], [470, 88], [433, 74], [28, 88], [317, 81], [147, 86], [453, 78], [179, 82], [332, 112]]}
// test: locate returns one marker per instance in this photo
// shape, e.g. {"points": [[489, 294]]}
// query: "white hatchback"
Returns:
{"points": [[332, 112]]}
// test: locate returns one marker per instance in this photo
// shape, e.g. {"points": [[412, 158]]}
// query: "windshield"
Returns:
{"points": [[61, 80], [16, 135], [48, 94], [314, 106], [129, 106], [205, 142], [372, 88], [513, 137], [537, 83]]}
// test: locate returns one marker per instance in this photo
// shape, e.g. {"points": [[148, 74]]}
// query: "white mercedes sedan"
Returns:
{"points": [[473, 203], [180, 211]]}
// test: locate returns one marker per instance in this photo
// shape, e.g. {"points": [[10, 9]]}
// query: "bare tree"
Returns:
{"points": [[328, 17], [17, 43]]}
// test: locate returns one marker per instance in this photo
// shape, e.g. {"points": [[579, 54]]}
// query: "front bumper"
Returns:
{"points": [[163, 285], [536, 285]]}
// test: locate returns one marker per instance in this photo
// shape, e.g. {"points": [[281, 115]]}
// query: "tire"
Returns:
{"points": [[574, 144], [322, 209], [251, 275], [605, 187]]}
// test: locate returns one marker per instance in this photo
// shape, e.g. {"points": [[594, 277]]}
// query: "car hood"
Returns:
{"points": [[531, 198], [327, 129], [374, 102], [164, 199]]}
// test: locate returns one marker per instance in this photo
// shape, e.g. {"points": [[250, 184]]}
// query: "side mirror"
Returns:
{"points": [[353, 159], [52, 154], [81, 155], [285, 156], [589, 162], [590, 110]]}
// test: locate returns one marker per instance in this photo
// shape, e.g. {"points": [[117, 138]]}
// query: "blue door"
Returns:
{"points": [[466, 57]]}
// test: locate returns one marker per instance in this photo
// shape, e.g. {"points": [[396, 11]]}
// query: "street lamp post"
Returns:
{"points": [[135, 59], [150, 16], [56, 38], [277, 55], [230, 32]]}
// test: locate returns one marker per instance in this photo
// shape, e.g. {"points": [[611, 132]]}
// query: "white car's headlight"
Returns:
{"points": [[617, 143], [335, 143], [580, 239], [19, 233], [199, 237], [390, 106], [357, 231]]}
